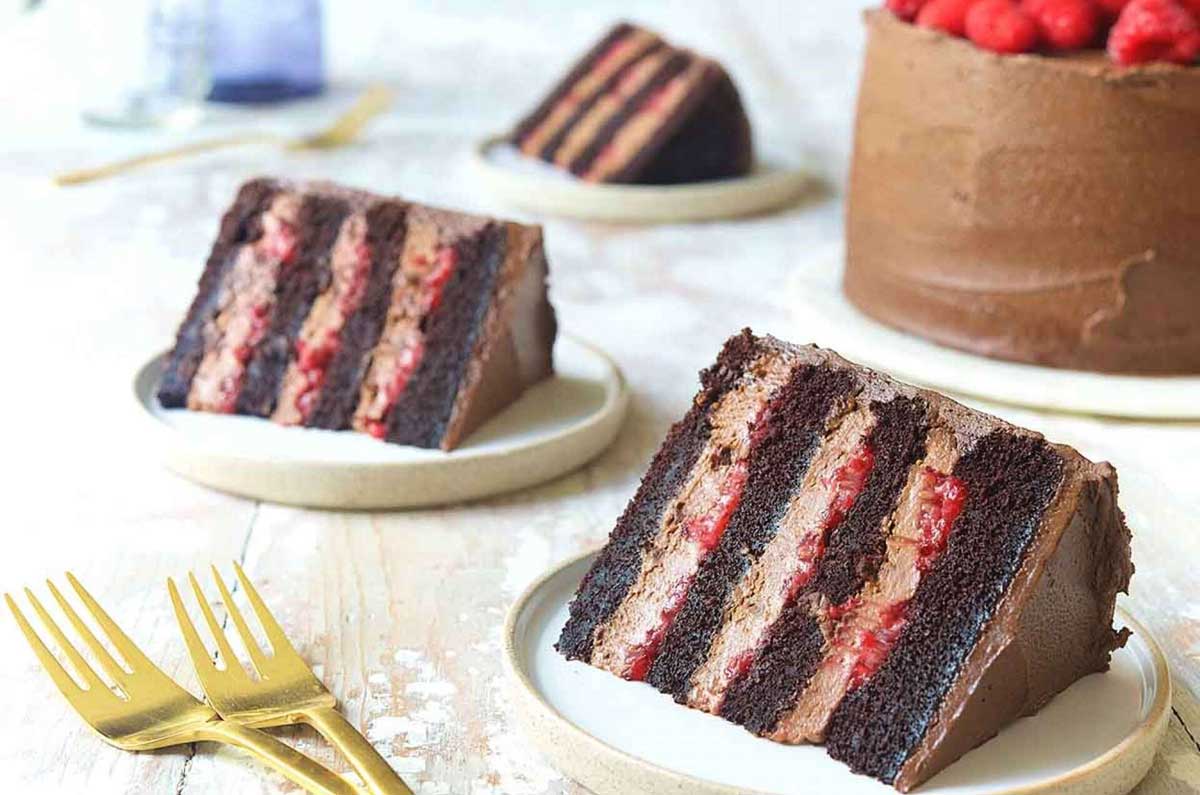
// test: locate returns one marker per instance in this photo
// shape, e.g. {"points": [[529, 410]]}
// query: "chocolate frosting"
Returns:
{"points": [[515, 347], [1034, 208]]}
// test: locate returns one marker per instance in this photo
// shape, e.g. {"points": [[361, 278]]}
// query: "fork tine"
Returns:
{"points": [[279, 642], [201, 660], [232, 664], [248, 640], [110, 666], [80, 665], [133, 656], [62, 680]]}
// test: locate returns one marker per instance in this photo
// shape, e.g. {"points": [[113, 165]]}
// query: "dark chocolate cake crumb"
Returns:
{"points": [[796, 421], [620, 563], [1010, 480], [422, 413], [385, 237], [701, 134], [855, 547], [240, 225], [319, 221]]}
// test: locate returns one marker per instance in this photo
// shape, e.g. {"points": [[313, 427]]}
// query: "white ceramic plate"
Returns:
{"points": [[823, 315], [536, 186], [615, 737], [555, 427]]}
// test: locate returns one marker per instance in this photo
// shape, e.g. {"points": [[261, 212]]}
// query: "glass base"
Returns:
{"points": [[263, 90], [141, 111]]}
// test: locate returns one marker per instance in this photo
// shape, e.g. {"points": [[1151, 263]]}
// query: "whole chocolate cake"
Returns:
{"points": [[332, 308], [822, 554], [636, 109], [1041, 207]]}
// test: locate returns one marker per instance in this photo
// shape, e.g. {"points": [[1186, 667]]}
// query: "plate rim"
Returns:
{"points": [[833, 260], [1149, 730], [577, 199], [618, 393], [186, 455]]}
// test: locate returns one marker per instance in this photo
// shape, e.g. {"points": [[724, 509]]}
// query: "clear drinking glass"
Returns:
{"points": [[155, 62], [265, 51]]}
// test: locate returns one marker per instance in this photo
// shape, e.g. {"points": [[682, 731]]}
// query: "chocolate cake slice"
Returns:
{"points": [[822, 554], [326, 307], [636, 109]]}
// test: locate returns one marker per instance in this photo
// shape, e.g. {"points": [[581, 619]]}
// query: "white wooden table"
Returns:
{"points": [[400, 613]]}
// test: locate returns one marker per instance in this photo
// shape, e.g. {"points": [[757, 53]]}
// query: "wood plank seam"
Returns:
{"points": [[186, 768], [1186, 729]]}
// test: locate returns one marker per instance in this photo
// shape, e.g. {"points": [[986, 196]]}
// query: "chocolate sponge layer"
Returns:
{"points": [[620, 563], [240, 225]]}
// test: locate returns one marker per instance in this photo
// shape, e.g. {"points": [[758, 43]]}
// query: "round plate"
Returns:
{"points": [[1098, 737], [537, 186], [824, 316], [555, 427]]}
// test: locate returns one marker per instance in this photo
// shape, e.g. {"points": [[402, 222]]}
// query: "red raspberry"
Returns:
{"points": [[1112, 8], [1001, 26], [906, 9], [949, 16], [1193, 6], [1064, 24], [1154, 30]]}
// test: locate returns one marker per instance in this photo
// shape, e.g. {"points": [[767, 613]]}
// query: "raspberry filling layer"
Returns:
{"points": [[868, 648], [642, 656], [705, 532], [642, 125], [245, 306], [422, 279], [942, 501], [863, 629], [607, 107], [691, 525], [612, 60], [844, 486], [320, 338], [872, 630], [836, 477]]}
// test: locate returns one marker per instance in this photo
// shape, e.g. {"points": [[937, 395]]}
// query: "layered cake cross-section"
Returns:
{"points": [[327, 307], [822, 554], [635, 109]]}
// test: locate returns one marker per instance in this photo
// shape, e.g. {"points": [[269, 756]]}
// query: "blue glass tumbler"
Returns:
{"points": [[265, 50]]}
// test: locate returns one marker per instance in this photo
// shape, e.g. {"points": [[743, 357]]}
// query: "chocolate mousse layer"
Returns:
{"points": [[822, 554], [333, 308], [636, 109], [1035, 208], [793, 426]]}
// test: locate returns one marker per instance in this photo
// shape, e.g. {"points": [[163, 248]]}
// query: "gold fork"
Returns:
{"points": [[286, 690], [147, 709], [375, 100]]}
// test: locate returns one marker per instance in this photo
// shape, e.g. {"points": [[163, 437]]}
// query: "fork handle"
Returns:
{"points": [[341, 734], [83, 175], [297, 767]]}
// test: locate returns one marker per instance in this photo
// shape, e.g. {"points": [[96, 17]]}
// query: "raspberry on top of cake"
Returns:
{"points": [[1133, 31]]}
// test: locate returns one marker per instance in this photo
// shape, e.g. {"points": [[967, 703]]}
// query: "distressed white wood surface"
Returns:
{"points": [[401, 613]]}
